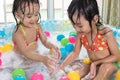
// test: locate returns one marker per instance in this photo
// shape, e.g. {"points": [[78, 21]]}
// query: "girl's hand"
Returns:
{"points": [[54, 71], [92, 71], [50, 62], [56, 52]]}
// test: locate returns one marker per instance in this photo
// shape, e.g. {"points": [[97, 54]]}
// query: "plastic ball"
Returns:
{"points": [[1, 49], [117, 76], [60, 37], [64, 41], [2, 33], [64, 78], [18, 72], [50, 51], [73, 33], [69, 47], [19, 78], [115, 33], [63, 53], [7, 47], [72, 39], [47, 33], [86, 61], [0, 62], [0, 54], [73, 75], [37, 76]]}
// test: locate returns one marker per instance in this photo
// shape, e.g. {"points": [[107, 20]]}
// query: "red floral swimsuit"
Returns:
{"points": [[99, 43]]}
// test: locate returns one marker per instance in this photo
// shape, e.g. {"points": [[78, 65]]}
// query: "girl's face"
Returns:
{"points": [[81, 24], [30, 16]]}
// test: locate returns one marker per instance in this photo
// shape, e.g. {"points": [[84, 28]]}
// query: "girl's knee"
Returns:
{"points": [[107, 66]]}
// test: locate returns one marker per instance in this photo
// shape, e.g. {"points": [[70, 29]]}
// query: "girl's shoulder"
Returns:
{"points": [[104, 30], [17, 34]]}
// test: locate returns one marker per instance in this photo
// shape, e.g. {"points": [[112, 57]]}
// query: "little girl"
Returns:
{"points": [[25, 38], [98, 40]]}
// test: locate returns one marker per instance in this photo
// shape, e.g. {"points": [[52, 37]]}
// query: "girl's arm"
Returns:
{"points": [[72, 56], [113, 49], [48, 44], [44, 40], [29, 52]]}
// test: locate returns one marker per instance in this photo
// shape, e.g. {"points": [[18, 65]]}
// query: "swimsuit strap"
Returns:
{"points": [[22, 30], [24, 33]]}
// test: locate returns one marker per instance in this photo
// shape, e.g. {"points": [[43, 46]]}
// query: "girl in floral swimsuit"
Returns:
{"points": [[98, 40]]}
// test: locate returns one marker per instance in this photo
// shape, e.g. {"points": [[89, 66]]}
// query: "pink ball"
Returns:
{"points": [[0, 62], [64, 78], [0, 54], [47, 33], [37, 76], [72, 39]]}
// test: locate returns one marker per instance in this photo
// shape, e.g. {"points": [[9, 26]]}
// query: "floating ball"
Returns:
{"points": [[18, 72], [0, 54], [73, 33], [0, 59], [72, 39], [50, 51], [19, 78], [0, 62], [60, 37], [69, 47], [64, 78], [117, 76], [73, 75], [1, 49], [86, 61], [63, 53], [37, 76], [47, 33], [64, 41], [7, 47]]}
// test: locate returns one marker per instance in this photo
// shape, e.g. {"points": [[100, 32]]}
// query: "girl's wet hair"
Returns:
{"points": [[20, 5], [87, 8]]}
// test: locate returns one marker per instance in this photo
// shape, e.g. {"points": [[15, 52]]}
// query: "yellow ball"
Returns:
{"points": [[1, 48], [86, 61], [117, 76], [50, 51], [7, 47], [73, 75]]}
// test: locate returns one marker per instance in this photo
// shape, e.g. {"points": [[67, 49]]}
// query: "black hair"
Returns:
{"points": [[87, 8], [20, 4]]}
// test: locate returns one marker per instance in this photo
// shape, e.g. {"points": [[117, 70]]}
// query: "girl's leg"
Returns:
{"points": [[80, 67], [105, 71]]}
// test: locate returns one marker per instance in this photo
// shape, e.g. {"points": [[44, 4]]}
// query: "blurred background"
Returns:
{"points": [[57, 10]]}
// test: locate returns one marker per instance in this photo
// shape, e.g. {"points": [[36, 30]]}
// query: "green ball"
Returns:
{"points": [[73, 32], [18, 72], [64, 41]]}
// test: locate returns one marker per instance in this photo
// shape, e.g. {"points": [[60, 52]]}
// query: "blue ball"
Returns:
{"points": [[115, 33], [19, 78], [63, 53], [69, 47], [73, 35], [60, 37]]}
